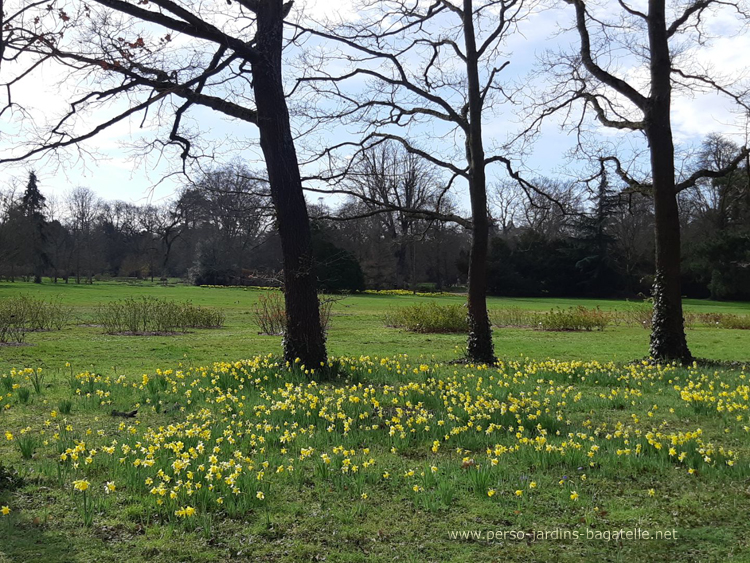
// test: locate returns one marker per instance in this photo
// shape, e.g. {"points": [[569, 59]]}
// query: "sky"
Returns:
{"points": [[109, 165]]}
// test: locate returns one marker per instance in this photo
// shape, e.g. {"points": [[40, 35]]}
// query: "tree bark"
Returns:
{"points": [[479, 346], [668, 340], [304, 340]]}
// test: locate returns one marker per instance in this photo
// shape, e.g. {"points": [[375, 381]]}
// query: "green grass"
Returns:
{"points": [[357, 327], [317, 511]]}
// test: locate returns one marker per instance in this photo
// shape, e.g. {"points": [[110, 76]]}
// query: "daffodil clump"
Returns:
{"points": [[231, 437]]}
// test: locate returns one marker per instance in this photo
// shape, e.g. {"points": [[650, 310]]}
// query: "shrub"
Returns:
{"points": [[46, 315], [270, 313], [637, 314], [428, 317], [725, 320], [13, 322], [326, 308], [426, 288], [574, 318], [195, 316], [515, 317], [21, 314], [153, 315]]}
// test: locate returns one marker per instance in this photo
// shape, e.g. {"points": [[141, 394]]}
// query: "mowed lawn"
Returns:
{"points": [[357, 328], [591, 456]]}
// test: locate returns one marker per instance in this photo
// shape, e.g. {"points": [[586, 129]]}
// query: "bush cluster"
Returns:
{"points": [[725, 320], [573, 318], [22, 314], [428, 317], [154, 315]]}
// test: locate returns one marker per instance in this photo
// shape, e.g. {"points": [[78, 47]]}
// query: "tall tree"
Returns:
{"points": [[431, 65], [661, 41], [83, 210], [33, 205], [593, 240], [169, 56], [389, 179]]}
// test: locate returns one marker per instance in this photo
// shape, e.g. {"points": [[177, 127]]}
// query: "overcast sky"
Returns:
{"points": [[112, 172]]}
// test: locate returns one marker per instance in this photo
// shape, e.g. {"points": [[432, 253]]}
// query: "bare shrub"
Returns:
{"points": [[154, 315], [269, 312]]}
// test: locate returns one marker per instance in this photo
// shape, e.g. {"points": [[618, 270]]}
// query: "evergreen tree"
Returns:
{"points": [[592, 243], [33, 205]]}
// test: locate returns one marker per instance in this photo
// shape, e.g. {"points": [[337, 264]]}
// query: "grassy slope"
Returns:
{"points": [[357, 328]]}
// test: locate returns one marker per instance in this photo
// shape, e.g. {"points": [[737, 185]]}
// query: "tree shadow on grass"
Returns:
{"points": [[25, 541]]}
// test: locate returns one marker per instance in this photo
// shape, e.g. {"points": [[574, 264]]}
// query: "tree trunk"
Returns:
{"points": [[668, 340], [479, 347], [304, 340], [400, 273]]}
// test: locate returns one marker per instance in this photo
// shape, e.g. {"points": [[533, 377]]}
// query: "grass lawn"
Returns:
{"points": [[399, 458], [356, 328]]}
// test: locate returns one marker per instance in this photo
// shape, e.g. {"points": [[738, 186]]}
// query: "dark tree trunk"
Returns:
{"points": [[304, 340], [479, 347], [401, 269], [668, 340]]}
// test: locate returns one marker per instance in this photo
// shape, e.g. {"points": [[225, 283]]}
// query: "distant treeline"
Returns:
{"points": [[582, 241]]}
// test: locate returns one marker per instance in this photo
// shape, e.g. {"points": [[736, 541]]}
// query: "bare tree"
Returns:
{"points": [[661, 41], [388, 176], [166, 57], [431, 66], [11, 233], [83, 209], [231, 206], [719, 202]]}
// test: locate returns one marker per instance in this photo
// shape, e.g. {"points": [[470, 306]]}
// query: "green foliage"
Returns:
{"points": [[24, 395], [27, 445], [574, 318], [338, 270], [12, 321], [558, 319], [153, 315], [37, 380], [65, 406], [428, 317]]}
